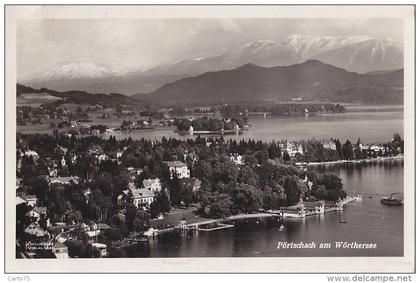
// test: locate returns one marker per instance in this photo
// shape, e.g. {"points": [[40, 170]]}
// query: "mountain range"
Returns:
{"points": [[359, 54], [308, 81], [354, 53], [78, 97]]}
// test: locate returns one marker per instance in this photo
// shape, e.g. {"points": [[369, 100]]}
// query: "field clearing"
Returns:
{"points": [[35, 99]]}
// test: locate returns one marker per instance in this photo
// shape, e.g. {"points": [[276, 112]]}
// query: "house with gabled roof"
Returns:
{"points": [[59, 183], [139, 197], [154, 185], [30, 200], [35, 230], [178, 168], [37, 212]]}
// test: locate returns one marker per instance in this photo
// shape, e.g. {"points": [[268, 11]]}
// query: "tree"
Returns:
{"points": [[333, 185], [21, 219], [160, 204], [397, 144], [202, 169], [215, 205], [262, 156], [121, 182], [175, 190], [248, 176], [358, 152], [141, 221], [100, 204], [339, 148], [130, 215], [40, 187], [183, 125], [348, 150], [250, 159], [274, 151], [57, 205], [91, 252], [246, 198], [286, 157], [273, 198], [226, 172], [104, 184], [75, 216], [331, 182], [321, 192], [215, 124], [75, 248], [187, 196], [292, 190], [115, 252]]}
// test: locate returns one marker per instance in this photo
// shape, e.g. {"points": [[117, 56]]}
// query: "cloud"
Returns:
{"points": [[230, 25], [142, 43]]}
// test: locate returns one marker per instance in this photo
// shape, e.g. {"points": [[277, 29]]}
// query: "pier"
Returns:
{"points": [[305, 209]]}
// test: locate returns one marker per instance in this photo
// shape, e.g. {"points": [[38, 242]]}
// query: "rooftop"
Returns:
{"points": [[63, 180], [141, 193], [147, 183], [40, 209], [175, 163], [190, 183]]}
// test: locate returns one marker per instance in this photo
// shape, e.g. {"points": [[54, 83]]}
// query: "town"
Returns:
{"points": [[87, 196]]}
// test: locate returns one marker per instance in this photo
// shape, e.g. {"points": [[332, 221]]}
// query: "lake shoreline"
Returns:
{"points": [[358, 161]]}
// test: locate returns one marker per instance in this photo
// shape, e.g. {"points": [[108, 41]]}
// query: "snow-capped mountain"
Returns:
{"points": [[359, 54], [309, 46], [90, 77], [354, 53], [366, 56], [77, 70]]}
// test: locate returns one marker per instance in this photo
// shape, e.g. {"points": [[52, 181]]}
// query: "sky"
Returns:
{"points": [[137, 44]]}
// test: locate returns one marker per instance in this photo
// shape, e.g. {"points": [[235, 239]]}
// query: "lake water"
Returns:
{"points": [[370, 123], [366, 222]]}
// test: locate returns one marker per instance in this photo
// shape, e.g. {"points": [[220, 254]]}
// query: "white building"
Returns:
{"points": [[179, 168], [140, 197], [37, 212], [363, 146], [32, 153], [101, 247], [64, 180], [329, 145], [20, 200], [30, 200], [35, 230], [154, 185], [238, 159], [293, 148], [103, 157], [377, 148]]}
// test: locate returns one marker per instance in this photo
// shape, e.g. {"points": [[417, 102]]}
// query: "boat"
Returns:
{"points": [[358, 198], [391, 201]]}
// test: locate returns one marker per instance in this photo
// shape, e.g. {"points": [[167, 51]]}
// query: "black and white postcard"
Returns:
{"points": [[210, 138]]}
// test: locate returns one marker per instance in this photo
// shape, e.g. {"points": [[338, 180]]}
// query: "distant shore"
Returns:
{"points": [[208, 132], [358, 161]]}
